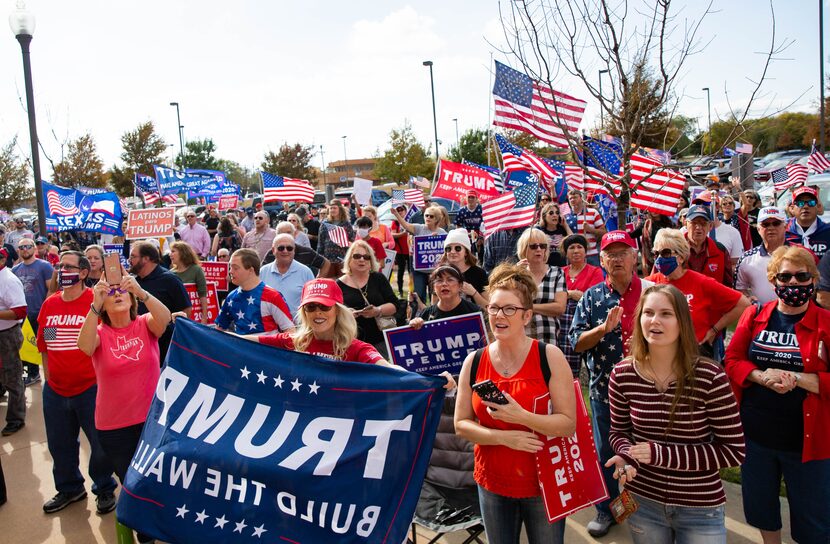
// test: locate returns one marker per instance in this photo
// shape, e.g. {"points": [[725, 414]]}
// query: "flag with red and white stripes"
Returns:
{"points": [[817, 162], [152, 198], [286, 189], [654, 188], [61, 204], [410, 196], [530, 106], [518, 159], [789, 176], [338, 235], [511, 210]]}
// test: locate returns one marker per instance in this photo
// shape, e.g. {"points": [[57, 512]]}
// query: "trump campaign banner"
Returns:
{"points": [[217, 272], [90, 210], [228, 202], [278, 446], [172, 182], [151, 223], [439, 345], [212, 302], [426, 250], [569, 471], [455, 179]]}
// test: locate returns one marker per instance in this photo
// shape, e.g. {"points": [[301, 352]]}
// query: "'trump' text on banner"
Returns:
{"points": [[151, 223], [426, 251]]}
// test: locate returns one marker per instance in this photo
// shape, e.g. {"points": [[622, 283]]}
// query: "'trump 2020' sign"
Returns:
{"points": [[278, 446]]}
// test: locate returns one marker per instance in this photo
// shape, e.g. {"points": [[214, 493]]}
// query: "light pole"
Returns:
{"points": [[179, 124], [457, 141], [22, 24], [345, 161], [601, 109], [821, 71], [709, 117], [323, 162], [434, 118]]}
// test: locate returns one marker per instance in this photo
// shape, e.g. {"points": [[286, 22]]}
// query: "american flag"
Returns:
{"points": [[530, 106], [511, 210], [603, 160], [495, 172], [790, 175], [412, 196], [817, 162], [743, 148], [516, 158], [661, 192], [152, 198], [286, 189], [61, 204], [338, 235], [420, 181], [61, 338]]}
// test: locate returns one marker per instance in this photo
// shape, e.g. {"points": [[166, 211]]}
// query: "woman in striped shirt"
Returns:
{"points": [[674, 424]]}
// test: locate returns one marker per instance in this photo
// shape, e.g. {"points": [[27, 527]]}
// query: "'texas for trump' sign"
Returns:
{"points": [[278, 446]]}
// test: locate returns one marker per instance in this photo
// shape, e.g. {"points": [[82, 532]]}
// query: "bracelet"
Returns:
{"points": [[797, 377], [145, 299], [93, 310], [715, 329]]}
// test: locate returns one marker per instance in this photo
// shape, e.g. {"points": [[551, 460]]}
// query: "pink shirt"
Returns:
{"points": [[127, 366]]}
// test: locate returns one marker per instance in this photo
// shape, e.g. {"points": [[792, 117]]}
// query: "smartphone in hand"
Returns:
{"points": [[488, 391], [112, 268]]}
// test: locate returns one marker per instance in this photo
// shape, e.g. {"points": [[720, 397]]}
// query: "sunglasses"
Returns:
{"points": [[537, 246], [450, 249], [359, 256], [429, 216], [400, 209], [553, 212], [801, 203], [27, 246], [114, 290], [259, 219], [785, 277], [284, 248], [191, 217], [771, 224], [665, 253], [314, 306]]}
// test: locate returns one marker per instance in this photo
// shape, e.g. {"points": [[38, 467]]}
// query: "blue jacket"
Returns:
{"points": [[819, 240]]}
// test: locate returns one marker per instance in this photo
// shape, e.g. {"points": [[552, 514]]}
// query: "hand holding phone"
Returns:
{"points": [[112, 268], [488, 391]]}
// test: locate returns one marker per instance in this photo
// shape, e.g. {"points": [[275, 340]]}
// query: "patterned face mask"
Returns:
{"points": [[795, 295]]}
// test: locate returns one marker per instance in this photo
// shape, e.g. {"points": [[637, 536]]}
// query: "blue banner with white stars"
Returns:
{"points": [[278, 446]]}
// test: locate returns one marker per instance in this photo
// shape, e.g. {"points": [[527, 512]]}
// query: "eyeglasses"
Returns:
{"points": [[314, 306], [618, 256], [445, 280], [450, 249], [429, 216], [116, 290], [801, 203], [359, 256], [801, 277], [537, 246], [259, 218], [26, 246], [665, 253], [508, 311], [553, 212], [400, 209], [191, 217], [67, 267], [771, 224], [750, 197], [285, 248]]}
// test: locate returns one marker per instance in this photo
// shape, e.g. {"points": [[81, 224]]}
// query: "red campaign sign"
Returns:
{"points": [[212, 298], [568, 468], [216, 272], [455, 179], [150, 223], [228, 202]]}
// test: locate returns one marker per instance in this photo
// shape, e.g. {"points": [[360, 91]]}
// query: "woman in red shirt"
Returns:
{"points": [[579, 277], [506, 435]]}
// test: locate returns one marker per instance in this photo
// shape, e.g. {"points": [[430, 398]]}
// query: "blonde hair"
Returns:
{"points": [[687, 354], [347, 260], [514, 278], [796, 255], [345, 331], [372, 210], [674, 240], [527, 237], [444, 219]]}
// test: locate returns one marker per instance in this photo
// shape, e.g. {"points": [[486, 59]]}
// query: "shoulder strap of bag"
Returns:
{"points": [[543, 361], [474, 366]]}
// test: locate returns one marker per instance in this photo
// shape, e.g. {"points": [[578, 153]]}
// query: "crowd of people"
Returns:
{"points": [[701, 339]]}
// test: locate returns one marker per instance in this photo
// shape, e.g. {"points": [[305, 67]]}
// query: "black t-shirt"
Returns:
{"points": [[169, 289], [772, 419], [312, 227], [555, 238], [212, 223], [431, 313], [477, 277], [378, 291]]}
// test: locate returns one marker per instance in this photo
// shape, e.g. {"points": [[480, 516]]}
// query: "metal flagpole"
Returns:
{"points": [[489, 109]]}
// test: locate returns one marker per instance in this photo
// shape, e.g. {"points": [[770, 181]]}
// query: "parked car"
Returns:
{"points": [[776, 155], [706, 166], [820, 182], [763, 174]]}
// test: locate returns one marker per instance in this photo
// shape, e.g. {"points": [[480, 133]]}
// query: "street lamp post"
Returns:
{"points": [[22, 24], [323, 162], [601, 109], [434, 117], [821, 72], [709, 116], [179, 123], [457, 141]]}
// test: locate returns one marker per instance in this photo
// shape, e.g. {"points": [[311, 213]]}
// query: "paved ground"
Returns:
{"points": [[27, 466]]}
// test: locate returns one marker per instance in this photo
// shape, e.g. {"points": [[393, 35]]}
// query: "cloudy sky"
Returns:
{"points": [[252, 75]]}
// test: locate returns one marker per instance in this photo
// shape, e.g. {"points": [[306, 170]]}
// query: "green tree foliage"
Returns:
{"points": [[688, 141], [142, 149], [81, 166], [199, 154], [246, 178], [405, 157], [14, 179], [788, 130], [472, 145], [291, 161]]}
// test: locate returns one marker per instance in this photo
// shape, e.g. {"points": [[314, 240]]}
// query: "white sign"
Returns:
{"points": [[388, 263], [363, 191]]}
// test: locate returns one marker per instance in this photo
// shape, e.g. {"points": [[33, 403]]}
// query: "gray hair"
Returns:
{"points": [[284, 227]]}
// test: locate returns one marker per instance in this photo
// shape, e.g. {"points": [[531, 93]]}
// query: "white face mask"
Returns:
{"points": [[363, 233]]}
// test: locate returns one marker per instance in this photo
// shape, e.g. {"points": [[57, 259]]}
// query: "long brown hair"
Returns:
{"points": [[687, 354]]}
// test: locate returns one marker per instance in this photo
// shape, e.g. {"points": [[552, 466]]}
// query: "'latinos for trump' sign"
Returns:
{"points": [[150, 223], [437, 346], [278, 446], [426, 250]]}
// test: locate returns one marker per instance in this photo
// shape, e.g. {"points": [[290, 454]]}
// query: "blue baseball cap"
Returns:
{"points": [[698, 211]]}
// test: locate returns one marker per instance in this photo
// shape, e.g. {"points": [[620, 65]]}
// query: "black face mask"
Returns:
{"points": [[794, 295]]}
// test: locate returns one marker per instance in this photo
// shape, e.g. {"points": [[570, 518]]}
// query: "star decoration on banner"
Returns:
{"points": [[252, 326], [259, 530], [245, 372], [250, 300], [295, 385], [201, 517], [260, 377], [313, 388], [239, 526], [220, 522], [181, 511], [240, 314], [278, 381]]}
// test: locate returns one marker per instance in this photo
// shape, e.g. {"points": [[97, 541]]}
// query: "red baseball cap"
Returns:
{"points": [[617, 237], [323, 291], [804, 190], [472, 192]]}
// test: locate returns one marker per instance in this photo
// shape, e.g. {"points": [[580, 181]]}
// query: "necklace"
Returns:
{"points": [[505, 370], [662, 385]]}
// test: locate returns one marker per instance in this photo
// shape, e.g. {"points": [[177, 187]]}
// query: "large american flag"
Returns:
{"points": [[789, 176], [661, 192], [412, 196], [495, 172], [511, 210], [61, 204], [286, 189], [603, 161], [817, 162], [516, 159], [529, 106], [338, 235]]}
